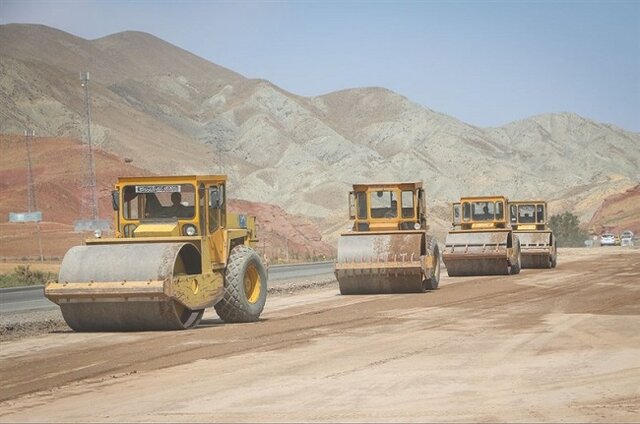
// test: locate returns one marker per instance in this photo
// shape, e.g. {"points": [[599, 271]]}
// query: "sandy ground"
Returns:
{"points": [[547, 345]]}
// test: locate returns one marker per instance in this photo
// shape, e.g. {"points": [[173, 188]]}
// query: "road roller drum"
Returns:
{"points": [[133, 287], [383, 263]]}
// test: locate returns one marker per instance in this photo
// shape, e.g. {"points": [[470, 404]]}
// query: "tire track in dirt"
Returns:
{"points": [[487, 297]]}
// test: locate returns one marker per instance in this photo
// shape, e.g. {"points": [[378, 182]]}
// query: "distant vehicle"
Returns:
{"points": [[626, 238], [608, 239]]}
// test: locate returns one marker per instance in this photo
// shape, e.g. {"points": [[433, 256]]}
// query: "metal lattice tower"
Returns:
{"points": [[90, 198]]}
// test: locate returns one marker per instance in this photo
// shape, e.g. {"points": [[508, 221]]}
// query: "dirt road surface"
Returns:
{"points": [[545, 345]]}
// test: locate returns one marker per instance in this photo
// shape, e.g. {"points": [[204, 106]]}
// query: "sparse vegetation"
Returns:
{"points": [[23, 275], [566, 228]]}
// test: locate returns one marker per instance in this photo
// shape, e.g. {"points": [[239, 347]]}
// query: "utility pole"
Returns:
{"points": [[220, 161], [31, 194], [286, 243], [84, 79]]}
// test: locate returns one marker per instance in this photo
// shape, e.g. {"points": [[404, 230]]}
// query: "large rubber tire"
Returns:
{"points": [[432, 282], [245, 287]]}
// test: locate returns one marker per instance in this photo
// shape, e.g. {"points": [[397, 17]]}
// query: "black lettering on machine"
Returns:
{"points": [[157, 189]]}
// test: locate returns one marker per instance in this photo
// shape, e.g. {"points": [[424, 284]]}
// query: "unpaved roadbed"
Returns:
{"points": [[32, 323], [545, 345]]}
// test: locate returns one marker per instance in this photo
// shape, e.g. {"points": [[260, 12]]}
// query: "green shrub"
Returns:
{"points": [[566, 228], [23, 275]]}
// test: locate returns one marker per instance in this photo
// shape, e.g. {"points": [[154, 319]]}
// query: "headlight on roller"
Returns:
{"points": [[416, 226], [189, 230]]}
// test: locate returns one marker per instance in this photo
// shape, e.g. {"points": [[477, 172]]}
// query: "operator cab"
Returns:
{"points": [[480, 212], [529, 215], [387, 207]]}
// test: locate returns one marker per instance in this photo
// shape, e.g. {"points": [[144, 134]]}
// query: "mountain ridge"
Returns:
{"points": [[179, 113]]}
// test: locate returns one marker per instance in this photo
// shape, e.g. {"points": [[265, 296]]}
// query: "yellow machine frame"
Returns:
{"points": [[214, 246], [194, 290], [537, 241], [538, 224], [365, 222], [390, 252], [459, 220], [481, 246]]}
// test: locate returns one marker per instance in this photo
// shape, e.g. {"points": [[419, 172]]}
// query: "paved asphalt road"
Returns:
{"points": [[32, 298]]}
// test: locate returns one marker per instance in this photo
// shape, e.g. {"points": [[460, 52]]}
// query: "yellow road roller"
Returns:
{"points": [[528, 218], [387, 250], [176, 251], [481, 241]]}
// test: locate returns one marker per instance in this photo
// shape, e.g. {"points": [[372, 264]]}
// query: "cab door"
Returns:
{"points": [[216, 222], [456, 215]]}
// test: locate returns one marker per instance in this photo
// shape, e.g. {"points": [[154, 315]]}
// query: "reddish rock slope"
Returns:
{"points": [[59, 174], [618, 212]]}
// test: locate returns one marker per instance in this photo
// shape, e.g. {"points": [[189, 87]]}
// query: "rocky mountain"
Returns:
{"points": [[59, 173], [172, 112]]}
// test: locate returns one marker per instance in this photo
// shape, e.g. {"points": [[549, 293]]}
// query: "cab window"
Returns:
{"points": [[540, 213], [361, 199], [513, 213], [466, 211], [216, 208], [384, 204], [456, 213], [525, 214], [483, 211], [499, 211], [352, 205], [158, 201], [407, 204]]}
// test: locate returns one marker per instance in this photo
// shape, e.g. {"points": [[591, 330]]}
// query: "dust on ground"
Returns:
{"points": [[544, 345]]}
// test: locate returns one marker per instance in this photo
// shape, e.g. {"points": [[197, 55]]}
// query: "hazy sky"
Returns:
{"points": [[486, 63]]}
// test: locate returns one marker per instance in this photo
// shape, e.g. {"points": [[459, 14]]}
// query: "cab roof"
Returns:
{"points": [[155, 179], [375, 186], [527, 202], [482, 198]]}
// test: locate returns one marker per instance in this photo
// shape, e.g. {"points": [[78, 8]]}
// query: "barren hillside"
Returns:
{"points": [[172, 112], [619, 212], [58, 175]]}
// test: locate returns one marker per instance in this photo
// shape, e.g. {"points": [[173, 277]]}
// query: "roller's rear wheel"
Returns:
{"points": [[514, 268], [432, 282], [245, 287]]}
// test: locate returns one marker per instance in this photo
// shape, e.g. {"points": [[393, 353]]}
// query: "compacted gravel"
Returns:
{"points": [[551, 345]]}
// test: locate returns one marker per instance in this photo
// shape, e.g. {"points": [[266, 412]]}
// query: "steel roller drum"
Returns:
{"points": [[476, 253], [536, 248], [139, 303], [380, 263]]}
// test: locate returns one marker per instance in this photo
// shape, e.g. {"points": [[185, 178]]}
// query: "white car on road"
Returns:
{"points": [[607, 239]]}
